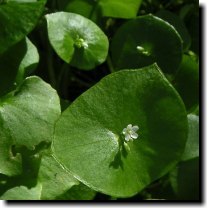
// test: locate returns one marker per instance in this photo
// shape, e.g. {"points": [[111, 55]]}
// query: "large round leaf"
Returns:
{"points": [[27, 117], [17, 19], [145, 40], [176, 21], [77, 40], [88, 137]]}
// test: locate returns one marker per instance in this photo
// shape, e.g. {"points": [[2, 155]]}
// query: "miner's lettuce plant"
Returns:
{"points": [[99, 100]]}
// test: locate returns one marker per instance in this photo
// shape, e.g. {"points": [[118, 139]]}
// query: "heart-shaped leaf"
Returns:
{"points": [[17, 19], [27, 117], [95, 132], [145, 40], [77, 40]]}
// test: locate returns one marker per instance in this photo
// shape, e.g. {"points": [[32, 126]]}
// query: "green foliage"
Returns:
{"points": [[145, 40], [101, 113], [74, 37], [80, 121]]}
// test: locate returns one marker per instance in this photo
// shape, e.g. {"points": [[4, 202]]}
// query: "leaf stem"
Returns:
{"points": [[51, 67], [110, 65]]}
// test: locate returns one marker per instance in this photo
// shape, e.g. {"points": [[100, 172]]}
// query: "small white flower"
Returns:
{"points": [[130, 132]]}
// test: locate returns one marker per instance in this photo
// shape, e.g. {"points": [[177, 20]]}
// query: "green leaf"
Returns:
{"points": [[28, 63], [22, 193], [187, 82], [17, 19], [105, 8], [55, 180], [176, 21], [192, 145], [27, 117], [78, 192], [89, 132], [119, 9], [81, 7], [145, 40], [77, 40]]}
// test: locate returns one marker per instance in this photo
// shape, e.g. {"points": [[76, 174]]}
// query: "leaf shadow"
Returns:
{"points": [[118, 162]]}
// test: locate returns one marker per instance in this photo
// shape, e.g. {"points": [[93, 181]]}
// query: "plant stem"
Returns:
{"points": [[51, 67], [109, 63]]}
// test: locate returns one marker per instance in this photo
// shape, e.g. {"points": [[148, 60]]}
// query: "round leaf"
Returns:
{"points": [[17, 19], [27, 117], [145, 40], [77, 40], [89, 132], [176, 21]]}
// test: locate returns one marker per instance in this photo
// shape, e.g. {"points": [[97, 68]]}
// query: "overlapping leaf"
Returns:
{"points": [[17, 19], [27, 117]]}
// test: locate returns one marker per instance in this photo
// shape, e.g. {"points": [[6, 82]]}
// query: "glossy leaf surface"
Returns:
{"points": [[89, 132]]}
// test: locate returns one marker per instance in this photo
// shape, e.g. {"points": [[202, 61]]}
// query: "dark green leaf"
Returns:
{"points": [[9, 65], [185, 180], [145, 40], [187, 82], [17, 19], [78, 192], [175, 21], [88, 139]]}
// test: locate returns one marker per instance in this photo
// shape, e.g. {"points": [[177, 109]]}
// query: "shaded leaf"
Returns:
{"points": [[17, 19], [144, 41]]}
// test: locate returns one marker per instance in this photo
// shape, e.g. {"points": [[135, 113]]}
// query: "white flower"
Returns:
{"points": [[130, 132]]}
